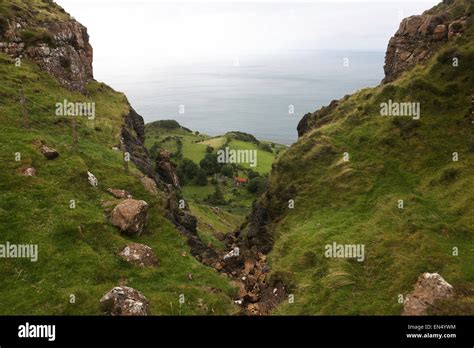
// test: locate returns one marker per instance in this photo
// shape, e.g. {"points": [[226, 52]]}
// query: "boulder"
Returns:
{"points": [[130, 216], [92, 179], [139, 254], [30, 171], [119, 193], [49, 152], [149, 185], [124, 301], [429, 288]]}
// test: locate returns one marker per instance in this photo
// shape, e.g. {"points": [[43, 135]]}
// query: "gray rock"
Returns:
{"points": [[124, 301]]}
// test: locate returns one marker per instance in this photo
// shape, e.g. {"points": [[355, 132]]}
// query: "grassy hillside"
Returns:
{"points": [[356, 201], [78, 247]]}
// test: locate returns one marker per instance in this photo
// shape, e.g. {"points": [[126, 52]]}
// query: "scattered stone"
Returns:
{"points": [[233, 253], [239, 302], [139, 254], [190, 276], [92, 179], [149, 185], [130, 216], [218, 266], [429, 288], [29, 171], [124, 301], [49, 152], [119, 193], [249, 266], [252, 308]]}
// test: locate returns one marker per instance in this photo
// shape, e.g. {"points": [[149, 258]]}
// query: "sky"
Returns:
{"points": [[134, 33]]}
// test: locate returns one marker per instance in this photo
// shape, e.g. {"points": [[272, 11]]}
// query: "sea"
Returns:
{"points": [[264, 94]]}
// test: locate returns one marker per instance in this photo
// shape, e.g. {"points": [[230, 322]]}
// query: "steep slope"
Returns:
{"points": [[352, 167], [77, 243]]}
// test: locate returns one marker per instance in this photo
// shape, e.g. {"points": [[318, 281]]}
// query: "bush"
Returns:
{"points": [[217, 198], [256, 185], [33, 37], [201, 178], [228, 171], [252, 174], [189, 168], [265, 147], [210, 164]]}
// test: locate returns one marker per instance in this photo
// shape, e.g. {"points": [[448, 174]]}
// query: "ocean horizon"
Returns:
{"points": [[262, 94]]}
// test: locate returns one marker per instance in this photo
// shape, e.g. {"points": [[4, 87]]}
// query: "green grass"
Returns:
{"points": [[355, 202], [82, 261]]}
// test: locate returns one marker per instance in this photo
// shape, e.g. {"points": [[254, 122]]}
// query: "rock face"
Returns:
{"points": [[417, 38], [124, 301], [316, 119], [165, 169], [429, 288], [130, 216], [60, 47], [132, 140], [139, 254]]}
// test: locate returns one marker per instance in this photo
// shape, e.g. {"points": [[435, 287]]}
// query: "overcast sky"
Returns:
{"points": [[162, 32]]}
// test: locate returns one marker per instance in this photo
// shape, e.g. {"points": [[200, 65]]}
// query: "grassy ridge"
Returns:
{"points": [[356, 202]]}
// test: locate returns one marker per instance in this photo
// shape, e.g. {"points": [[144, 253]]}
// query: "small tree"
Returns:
{"points": [[201, 178], [228, 171]]}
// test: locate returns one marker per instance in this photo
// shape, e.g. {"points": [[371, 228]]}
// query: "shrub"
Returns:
{"points": [[265, 147], [33, 37], [189, 168], [228, 171], [217, 198], [210, 164], [201, 178], [256, 185]]}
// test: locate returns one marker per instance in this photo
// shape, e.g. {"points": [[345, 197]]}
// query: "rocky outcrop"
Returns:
{"points": [[59, 46], [418, 37], [165, 169], [130, 216], [315, 119], [429, 288], [139, 254], [132, 140], [124, 301]]}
